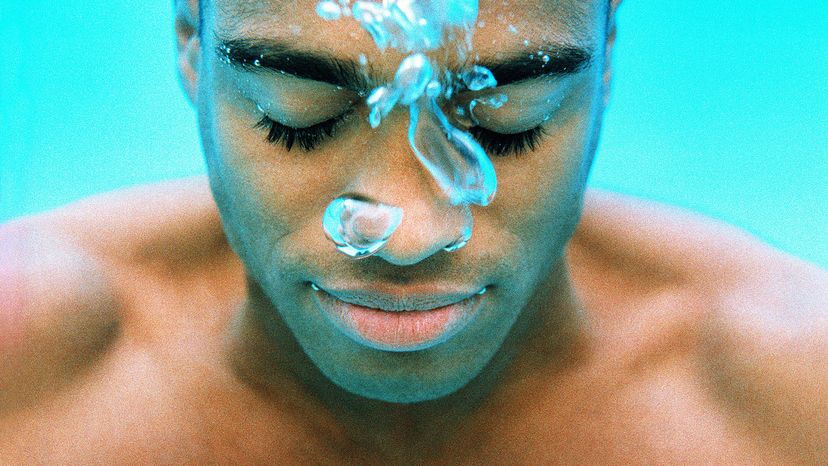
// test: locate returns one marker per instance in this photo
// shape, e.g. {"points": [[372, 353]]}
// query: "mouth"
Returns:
{"points": [[398, 323]]}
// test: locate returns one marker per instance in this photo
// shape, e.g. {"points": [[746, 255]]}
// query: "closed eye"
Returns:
{"points": [[503, 145], [307, 138]]}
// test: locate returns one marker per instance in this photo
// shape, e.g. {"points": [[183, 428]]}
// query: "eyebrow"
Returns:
{"points": [[270, 55], [520, 66]]}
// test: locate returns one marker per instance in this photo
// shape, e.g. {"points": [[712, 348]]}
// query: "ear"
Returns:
{"points": [[188, 45], [611, 33]]}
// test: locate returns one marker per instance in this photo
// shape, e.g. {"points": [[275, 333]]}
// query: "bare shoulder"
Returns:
{"points": [[57, 312], [67, 277], [675, 241], [168, 222], [759, 315]]}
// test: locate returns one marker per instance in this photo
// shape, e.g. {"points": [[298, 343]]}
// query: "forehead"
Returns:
{"points": [[501, 23]]}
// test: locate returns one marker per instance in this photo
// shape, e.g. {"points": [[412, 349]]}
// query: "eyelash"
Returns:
{"points": [[306, 138], [502, 145], [494, 143]]}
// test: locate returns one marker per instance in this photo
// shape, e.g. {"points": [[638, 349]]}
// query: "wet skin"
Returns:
{"points": [[271, 200], [161, 326]]}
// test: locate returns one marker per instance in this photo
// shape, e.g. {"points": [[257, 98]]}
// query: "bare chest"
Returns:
{"points": [[133, 410], [666, 417]]}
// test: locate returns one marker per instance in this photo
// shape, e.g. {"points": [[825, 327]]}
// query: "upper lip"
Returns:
{"points": [[419, 301]]}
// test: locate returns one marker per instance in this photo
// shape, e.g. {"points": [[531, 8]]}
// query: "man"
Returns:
{"points": [[195, 322]]}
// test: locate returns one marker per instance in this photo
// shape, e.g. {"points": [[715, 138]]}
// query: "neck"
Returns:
{"points": [[264, 355]]}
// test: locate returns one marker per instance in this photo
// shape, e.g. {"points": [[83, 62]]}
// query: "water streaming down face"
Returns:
{"points": [[458, 164]]}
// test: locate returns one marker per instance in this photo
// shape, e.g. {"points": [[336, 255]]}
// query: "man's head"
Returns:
{"points": [[280, 146]]}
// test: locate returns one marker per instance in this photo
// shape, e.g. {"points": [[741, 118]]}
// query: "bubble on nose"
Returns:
{"points": [[360, 228]]}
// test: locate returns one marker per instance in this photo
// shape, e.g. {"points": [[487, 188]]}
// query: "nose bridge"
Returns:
{"points": [[391, 174]]}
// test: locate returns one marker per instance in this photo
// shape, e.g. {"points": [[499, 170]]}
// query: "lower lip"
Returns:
{"points": [[398, 331]]}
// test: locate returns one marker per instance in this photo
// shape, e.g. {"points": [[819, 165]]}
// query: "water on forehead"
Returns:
{"points": [[567, 21]]}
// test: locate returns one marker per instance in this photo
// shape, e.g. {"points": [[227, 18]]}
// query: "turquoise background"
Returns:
{"points": [[720, 107]]}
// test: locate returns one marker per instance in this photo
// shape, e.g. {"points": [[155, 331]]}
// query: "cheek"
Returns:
{"points": [[268, 198], [539, 193]]}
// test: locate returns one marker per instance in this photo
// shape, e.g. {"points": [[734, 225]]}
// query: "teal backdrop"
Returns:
{"points": [[718, 106]]}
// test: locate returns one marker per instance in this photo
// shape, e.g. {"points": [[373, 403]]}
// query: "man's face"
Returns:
{"points": [[272, 199]]}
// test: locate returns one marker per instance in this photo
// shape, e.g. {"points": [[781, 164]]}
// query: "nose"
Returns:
{"points": [[430, 223]]}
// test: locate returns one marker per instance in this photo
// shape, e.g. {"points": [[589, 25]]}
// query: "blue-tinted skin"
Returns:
{"points": [[272, 200]]}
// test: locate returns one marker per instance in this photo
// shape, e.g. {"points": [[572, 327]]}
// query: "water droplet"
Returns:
{"points": [[256, 62], [328, 10], [454, 158], [526, 42], [493, 101], [545, 58], [434, 88], [458, 244], [363, 60], [513, 29], [360, 228], [465, 235], [412, 78], [382, 100], [479, 78]]}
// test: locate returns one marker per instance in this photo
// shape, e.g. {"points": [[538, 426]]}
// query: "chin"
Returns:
{"points": [[403, 393], [402, 377]]}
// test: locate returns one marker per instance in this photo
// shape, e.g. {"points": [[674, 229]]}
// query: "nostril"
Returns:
{"points": [[421, 237]]}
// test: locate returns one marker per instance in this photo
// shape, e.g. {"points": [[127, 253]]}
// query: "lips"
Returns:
{"points": [[398, 323]]}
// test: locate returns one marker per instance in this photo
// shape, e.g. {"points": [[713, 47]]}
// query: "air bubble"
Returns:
{"points": [[412, 78], [479, 78], [360, 228], [328, 10], [494, 101], [382, 100], [452, 156]]}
